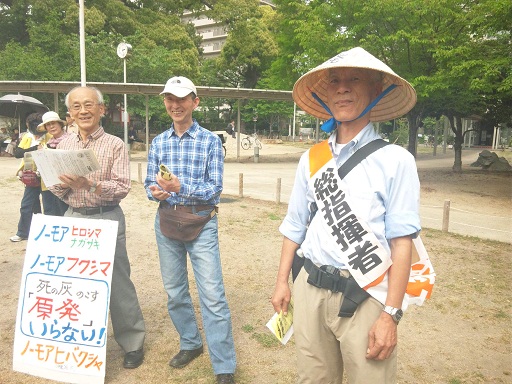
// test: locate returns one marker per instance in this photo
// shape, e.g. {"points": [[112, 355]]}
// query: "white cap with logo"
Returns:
{"points": [[179, 86]]}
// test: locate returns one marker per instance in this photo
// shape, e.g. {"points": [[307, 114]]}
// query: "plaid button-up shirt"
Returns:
{"points": [[114, 172], [196, 158]]}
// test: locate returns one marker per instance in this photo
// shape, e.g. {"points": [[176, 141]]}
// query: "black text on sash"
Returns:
{"points": [[345, 227]]}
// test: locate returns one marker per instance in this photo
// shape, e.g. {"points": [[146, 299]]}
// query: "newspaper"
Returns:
{"points": [[54, 162], [282, 326]]}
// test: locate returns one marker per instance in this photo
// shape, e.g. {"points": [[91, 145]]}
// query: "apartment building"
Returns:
{"points": [[214, 34]]}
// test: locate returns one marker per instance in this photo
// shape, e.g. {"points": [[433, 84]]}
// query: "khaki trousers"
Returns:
{"points": [[327, 345]]}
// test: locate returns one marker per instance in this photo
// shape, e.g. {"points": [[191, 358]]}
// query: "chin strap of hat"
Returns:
{"points": [[330, 125]]}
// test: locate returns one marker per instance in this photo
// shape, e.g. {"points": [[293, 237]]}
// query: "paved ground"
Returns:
{"points": [[276, 164], [272, 177]]}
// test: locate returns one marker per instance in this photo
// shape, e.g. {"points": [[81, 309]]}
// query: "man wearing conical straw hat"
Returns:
{"points": [[354, 232]]}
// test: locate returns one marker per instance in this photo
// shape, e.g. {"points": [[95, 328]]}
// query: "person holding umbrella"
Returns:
{"points": [[19, 106]]}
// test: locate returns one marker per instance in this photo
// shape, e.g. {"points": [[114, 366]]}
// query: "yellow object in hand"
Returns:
{"points": [[165, 172]]}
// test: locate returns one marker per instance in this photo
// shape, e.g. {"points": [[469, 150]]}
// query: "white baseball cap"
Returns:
{"points": [[179, 86], [396, 103]]}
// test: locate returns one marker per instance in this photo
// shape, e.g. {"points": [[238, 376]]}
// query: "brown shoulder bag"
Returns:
{"points": [[180, 225]]}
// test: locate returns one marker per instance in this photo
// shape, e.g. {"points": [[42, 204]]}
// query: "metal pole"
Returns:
{"points": [[125, 112], [56, 101], [81, 23], [293, 127]]}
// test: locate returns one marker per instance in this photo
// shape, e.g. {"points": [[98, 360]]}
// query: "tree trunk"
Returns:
{"points": [[413, 132], [456, 126]]}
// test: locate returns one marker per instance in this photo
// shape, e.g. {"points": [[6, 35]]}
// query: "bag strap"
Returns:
{"points": [[359, 155]]}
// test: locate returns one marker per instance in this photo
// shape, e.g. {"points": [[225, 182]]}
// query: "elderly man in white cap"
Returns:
{"points": [[184, 175], [353, 231]]}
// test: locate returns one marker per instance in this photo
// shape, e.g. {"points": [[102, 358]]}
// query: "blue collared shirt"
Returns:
{"points": [[196, 158], [383, 190]]}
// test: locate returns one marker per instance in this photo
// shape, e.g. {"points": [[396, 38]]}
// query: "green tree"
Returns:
{"points": [[250, 49], [46, 45], [455, 54]]}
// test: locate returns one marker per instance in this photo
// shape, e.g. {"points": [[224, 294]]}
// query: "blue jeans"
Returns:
{"points": [[30, 204], [205, 260]]}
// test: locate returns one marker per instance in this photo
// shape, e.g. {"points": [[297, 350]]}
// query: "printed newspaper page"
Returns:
{"points": [[282, 326], [54, 162]]}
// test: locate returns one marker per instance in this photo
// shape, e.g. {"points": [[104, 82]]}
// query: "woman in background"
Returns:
{"points": [[53, 124], [37, 138]]}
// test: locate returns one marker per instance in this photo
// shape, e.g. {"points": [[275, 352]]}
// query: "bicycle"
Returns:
{"points": [[251, 141]]}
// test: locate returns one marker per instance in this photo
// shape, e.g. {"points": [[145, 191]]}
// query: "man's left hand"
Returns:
{"points": [[382, 338], [75, 182]]}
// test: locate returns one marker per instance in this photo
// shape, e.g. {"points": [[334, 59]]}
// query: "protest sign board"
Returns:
{"points": [[61, 325]]}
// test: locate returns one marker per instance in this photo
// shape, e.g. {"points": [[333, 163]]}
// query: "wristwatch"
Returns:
{"points": [[93, 187], [395, 313]]}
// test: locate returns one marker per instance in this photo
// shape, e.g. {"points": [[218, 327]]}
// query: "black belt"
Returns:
{"points": [[329, 277], [94, 210], [326, 277]]}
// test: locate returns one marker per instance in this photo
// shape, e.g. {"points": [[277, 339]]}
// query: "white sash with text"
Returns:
{"points": [[367, 258]]}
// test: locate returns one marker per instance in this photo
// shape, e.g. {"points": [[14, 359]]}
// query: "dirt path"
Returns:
{"points": [[462, 335]]}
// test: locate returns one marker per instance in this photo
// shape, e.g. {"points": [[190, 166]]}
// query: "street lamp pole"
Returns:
{"points": [[125, 110], [122, 51], [81, 22]]}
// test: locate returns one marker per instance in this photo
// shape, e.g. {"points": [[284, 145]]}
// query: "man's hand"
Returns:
{"points": [[282, 294], [159, 193], [281, 297], [172, 185], [74, 182], [382, 338]]}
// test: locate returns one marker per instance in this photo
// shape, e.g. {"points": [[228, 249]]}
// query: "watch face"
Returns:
{"points": [[396, 313]]}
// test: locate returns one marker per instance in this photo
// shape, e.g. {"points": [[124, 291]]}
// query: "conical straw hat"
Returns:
{"points": [[395, 104]]}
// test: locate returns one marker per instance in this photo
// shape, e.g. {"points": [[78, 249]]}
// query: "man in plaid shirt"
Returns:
{"points": [[194, 156]]}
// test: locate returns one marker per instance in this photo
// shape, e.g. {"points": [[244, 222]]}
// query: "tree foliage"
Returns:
{"points": [[455, 53], [46, 47]]}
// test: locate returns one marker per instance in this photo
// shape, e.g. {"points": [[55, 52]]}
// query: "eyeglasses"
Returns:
{"points": [[87, 106]]}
